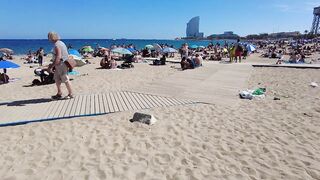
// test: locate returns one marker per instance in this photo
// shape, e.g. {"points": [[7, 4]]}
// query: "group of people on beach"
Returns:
{"points": [[35, 57], [297, 51]]}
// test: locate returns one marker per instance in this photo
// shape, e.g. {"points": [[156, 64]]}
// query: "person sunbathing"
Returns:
{"points": [[30, 57], [198, 60], [107, 63]]}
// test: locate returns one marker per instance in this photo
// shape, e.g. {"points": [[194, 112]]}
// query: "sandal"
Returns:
{"points": [[70, 96], [57, 97]]}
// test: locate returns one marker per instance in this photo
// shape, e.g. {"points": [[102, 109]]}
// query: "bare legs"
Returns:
{"points": [[58, 84], [68, 85]]}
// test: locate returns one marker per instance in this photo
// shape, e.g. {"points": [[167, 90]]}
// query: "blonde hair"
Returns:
{"points": [[53, 36]]}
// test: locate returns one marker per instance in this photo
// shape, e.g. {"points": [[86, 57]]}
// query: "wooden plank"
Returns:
{"points": [[152, 104], [131, 100], [126, 101], [161, 101], [101, 107], [110, 105], [114, 103], [58, 110], [117, 99], [183, 101], [143, 100], [105, 103], [171, 101], [87, 105], [150, 101], [137, 101], [83, 105], [164, 101], [123, 103], [92, 104], [48, 109], [67, 113], [73, 106], [168, 102], [96, 104], [176, 101], [54, 109], [81, 109], [64, 108], [157, 104]]}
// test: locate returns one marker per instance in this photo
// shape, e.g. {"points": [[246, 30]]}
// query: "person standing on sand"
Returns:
{"points": [[40, 54], [238, 52], [60, 55]]}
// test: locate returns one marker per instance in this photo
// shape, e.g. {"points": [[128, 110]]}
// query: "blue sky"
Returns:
{"points": [[151, 19]]}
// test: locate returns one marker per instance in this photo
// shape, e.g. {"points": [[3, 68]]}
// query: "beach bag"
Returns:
{"points": [[71, 63]]}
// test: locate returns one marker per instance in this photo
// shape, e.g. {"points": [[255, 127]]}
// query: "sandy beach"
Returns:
{"points": [[257, 139]]}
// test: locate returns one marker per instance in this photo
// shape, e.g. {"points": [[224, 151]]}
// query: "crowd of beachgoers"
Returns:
{"points": [[189, 56], [297, 51]]}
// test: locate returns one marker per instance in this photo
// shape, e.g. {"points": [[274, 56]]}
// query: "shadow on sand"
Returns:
{"points": [[25, 102]]}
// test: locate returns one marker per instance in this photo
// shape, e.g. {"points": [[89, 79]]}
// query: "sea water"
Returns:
{"points": [[22, 46]]}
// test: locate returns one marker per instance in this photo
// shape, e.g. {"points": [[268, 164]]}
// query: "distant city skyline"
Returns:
{"points": [[141, 19]]}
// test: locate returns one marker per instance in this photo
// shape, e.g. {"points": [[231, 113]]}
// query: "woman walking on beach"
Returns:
{"points": [[60, 53]]}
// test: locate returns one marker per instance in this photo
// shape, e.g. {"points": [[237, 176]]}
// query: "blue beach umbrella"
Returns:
{"points": [[121, 51], [74, 52], [169, 50], [132, 50], [8, 65], [251, 48]]}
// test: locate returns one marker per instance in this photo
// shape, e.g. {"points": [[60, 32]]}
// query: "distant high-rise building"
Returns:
{"points": [[193, 28]]}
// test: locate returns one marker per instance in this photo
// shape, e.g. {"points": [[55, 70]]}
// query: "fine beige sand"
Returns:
{"points": [[258, 139]]}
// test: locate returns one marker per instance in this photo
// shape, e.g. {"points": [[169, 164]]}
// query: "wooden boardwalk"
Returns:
{"points": [[296, 66], [21, 112]]}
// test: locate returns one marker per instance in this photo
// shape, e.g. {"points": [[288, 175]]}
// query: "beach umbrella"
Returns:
{"points": [[121, 51], [251, 48], [79, 61], [87, 49], [8, 65], [132, 50], [201, 47], [149, 46], [74, 52], [169, 50], [193, 46], [6, 50], [157, 47]]}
